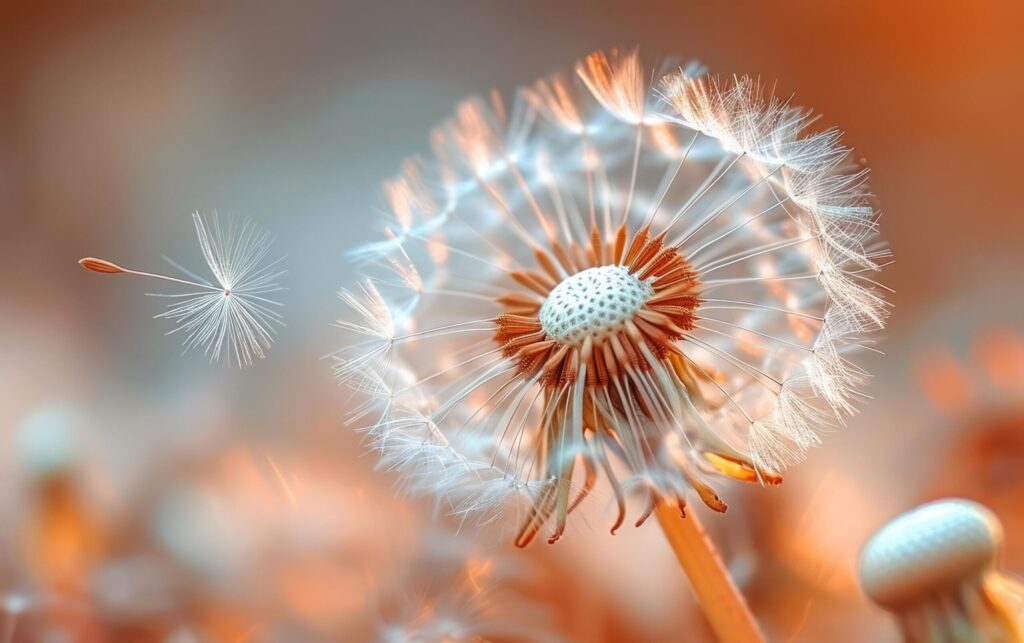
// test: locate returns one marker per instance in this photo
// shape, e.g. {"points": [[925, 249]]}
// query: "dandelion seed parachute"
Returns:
{"points": [[234, 321], [666, 279]]}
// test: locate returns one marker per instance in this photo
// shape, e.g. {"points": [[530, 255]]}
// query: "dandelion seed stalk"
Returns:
{"points": [[108, 267], [719, 598]]}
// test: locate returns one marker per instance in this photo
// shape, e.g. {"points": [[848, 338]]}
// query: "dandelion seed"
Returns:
{"points": [[672, 275], [233, 321]]}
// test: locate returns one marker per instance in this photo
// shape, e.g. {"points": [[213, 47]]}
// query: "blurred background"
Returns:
{"points": [[153, 496]]}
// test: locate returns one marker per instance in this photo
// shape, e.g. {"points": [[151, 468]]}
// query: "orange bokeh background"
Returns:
{"points": [[247, 507]]}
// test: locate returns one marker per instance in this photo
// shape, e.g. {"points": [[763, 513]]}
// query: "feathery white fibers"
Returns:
{"points": [[233, 321], [774, 221]]}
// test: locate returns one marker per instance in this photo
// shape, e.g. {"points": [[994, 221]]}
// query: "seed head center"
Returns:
{"points": [[594, 303]]}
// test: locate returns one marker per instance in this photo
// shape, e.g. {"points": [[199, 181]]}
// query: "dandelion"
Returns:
{"points": [[934, 567], [233, 320], [661, 282]]}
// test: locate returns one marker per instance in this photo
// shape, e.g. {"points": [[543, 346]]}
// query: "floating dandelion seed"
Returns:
{"points": [[668, 276], [234, 320]]}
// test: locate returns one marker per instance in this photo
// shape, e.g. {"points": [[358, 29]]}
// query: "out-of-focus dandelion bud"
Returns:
{"points": [[935, 568], [64, 538], [47, 444]]}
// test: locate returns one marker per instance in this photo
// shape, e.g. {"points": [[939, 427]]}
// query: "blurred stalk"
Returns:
{"points": [[719, 599]]}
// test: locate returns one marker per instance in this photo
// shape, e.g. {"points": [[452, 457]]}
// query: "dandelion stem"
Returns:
{"points": [[719, 599]]}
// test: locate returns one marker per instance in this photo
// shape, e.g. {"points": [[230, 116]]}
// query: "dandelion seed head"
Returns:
{"points": [[620, 270]]}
